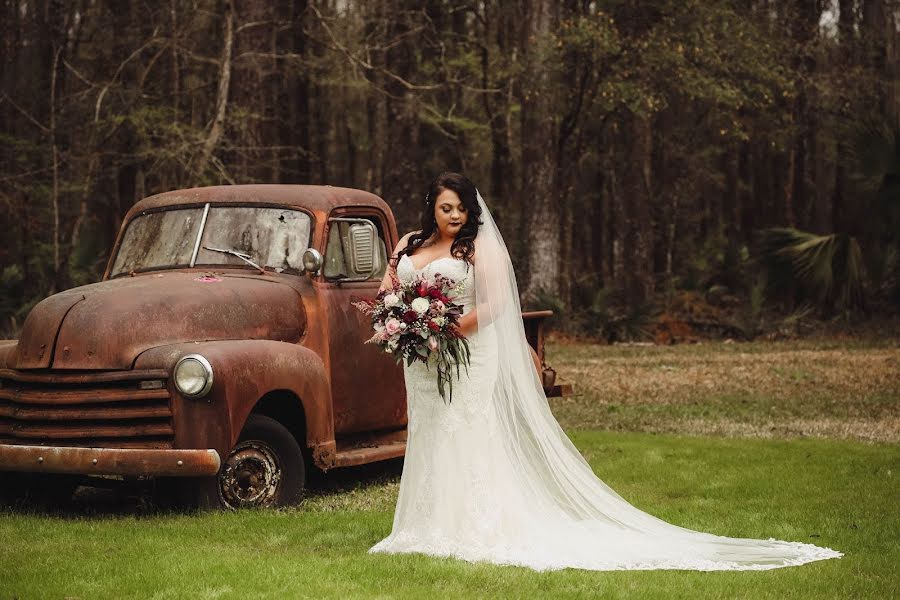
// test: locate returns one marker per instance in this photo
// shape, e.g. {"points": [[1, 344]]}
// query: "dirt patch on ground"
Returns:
{"points": [[753, 390]]}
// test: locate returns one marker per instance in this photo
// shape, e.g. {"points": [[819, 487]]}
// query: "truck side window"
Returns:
{"points": [[337, 263]]}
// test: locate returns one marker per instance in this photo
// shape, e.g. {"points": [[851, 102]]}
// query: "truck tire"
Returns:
{"points": [[266, 468]]}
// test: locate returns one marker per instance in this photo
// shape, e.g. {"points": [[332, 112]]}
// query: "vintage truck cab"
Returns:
{"points": [[220, 351]]}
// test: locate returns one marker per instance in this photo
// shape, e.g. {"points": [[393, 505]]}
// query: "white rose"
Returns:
{"points": [[420, 305], [391, 300]]}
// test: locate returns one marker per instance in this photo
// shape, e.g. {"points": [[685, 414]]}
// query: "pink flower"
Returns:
{"points": [[433, 344], [392, 326]]}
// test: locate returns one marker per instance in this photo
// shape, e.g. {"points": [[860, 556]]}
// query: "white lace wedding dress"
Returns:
{"points": [[483, 484]]}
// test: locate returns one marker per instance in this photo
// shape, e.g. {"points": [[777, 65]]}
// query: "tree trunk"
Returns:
{"points": [[539, 152], [639, 233], [404, 178]]}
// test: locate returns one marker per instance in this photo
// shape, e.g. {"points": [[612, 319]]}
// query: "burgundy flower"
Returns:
{"points": [[433, 326], [435, 293], [421, 290], [410, 316]]}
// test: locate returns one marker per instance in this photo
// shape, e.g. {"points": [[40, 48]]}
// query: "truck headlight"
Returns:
{"points": [[193, 375]]}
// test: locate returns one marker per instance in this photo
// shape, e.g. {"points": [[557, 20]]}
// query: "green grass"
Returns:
{"points": [[826, 474], [837, 494]]}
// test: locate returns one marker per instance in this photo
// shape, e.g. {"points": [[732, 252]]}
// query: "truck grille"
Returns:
{"points": [[118, 409]]}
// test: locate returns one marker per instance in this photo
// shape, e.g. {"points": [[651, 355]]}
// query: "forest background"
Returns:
{"points": [[661, 169]]}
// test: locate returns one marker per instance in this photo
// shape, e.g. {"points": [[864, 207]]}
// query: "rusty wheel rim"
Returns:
{"points": [[250, 476]]}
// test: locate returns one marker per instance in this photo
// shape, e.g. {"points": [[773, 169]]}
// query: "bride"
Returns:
{"points": [[491, 476]]}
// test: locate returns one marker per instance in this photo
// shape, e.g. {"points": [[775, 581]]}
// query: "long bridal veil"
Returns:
{"points": [[593, 527]]}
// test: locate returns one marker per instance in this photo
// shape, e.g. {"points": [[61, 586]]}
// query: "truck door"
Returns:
{"points": [[367, 385]]}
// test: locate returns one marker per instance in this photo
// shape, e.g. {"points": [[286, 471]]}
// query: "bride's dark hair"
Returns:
{"points": [[464, 244]]}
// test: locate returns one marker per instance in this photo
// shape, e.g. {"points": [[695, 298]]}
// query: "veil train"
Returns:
{"points": [[591, 525]]}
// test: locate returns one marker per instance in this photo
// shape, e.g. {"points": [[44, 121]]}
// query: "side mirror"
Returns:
{"points": [[312, 261]]}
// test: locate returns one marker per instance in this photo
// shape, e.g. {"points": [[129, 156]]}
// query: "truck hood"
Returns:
{"points": [[106, 325]]}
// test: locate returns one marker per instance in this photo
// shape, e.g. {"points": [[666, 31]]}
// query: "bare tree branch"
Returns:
{"points": [[153, 40], [365, 64], [25, 113], [218, 123]]}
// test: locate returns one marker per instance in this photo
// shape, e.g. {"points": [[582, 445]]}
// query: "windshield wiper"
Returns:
{"points": [[240, 255]]}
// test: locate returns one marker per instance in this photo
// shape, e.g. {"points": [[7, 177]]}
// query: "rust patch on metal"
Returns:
{"points": [[128, 315], [41, 328], [323, 455], [109, 409]]}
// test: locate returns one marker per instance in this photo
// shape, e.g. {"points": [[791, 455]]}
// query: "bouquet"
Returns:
{"points": [[417, 321]]}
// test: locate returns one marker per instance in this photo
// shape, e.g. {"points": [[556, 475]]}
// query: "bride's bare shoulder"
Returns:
{"points": [[403, 241], [406, 237]]}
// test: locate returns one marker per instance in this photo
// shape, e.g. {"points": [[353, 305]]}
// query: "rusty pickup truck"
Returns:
{"points": [[219, 353]]}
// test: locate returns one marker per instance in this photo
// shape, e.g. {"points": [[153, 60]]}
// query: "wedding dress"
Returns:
{"points": [[491, 476]]}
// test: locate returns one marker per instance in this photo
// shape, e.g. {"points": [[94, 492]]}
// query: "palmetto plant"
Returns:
{"points": [[829, 269], [875, 169], [826, 269]]}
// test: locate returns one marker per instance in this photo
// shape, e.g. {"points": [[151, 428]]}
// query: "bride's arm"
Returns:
{"points": [[468, 323], [386, 281], [495, 285]]}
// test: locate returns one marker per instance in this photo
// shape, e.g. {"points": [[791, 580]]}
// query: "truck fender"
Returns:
{"points": [[243, 372]]}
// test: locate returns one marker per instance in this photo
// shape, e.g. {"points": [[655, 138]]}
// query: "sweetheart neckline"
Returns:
{"points": [[425, 266]]}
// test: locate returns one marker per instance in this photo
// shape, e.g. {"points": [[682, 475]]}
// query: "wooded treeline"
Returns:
{"points": [[630, 150]]}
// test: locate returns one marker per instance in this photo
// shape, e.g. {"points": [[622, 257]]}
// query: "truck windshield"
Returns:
{"points": [[271, 237]]}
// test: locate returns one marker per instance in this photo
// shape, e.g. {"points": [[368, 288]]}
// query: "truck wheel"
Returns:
{"points": [[266, 468]]}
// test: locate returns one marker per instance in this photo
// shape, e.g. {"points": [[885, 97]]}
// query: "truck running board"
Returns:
{"points": [[370, 451]]}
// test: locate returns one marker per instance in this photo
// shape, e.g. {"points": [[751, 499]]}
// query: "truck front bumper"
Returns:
{"points": [[108, 461]]}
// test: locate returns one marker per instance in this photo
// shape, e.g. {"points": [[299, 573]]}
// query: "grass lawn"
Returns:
{"points": [[831, 486]]}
